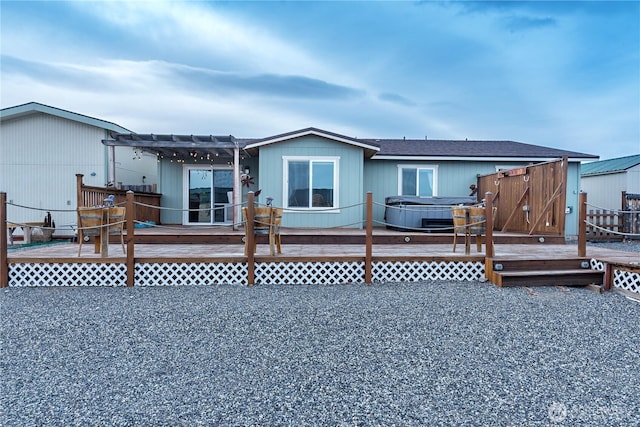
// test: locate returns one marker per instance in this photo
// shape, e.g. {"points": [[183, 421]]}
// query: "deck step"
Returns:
{"points": [[522, 264], [563, 277]]}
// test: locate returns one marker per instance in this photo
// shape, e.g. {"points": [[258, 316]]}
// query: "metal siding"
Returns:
{"points": [[633, 180], [604, 191], [171, 188], [349, 180], [40, 156]]}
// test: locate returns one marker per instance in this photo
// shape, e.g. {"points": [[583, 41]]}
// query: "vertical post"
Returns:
{"points": [[79, 201], [622, 216], [467, 233], [608, 276], [582, 225], [369, 240], [237, 189], [250, 241], [4, 265], [489, 225], [130, 217]]}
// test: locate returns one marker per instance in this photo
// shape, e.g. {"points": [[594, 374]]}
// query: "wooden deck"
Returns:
{"points": [[68, 251]]}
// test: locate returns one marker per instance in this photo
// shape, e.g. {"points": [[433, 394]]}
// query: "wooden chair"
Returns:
{"points": [[459, 214], [266, 221], [476, 224], [91, 220], [89, 224]]}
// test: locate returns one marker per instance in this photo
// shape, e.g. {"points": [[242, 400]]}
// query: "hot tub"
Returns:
{"points": [[422, 213]]}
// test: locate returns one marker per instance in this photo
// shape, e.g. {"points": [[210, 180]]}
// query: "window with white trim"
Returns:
{"points": [[311, 182], [418, 180]]}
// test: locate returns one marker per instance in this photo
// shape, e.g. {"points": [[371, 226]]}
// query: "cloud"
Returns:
{"points": [[144, 76], [525, 23], [396, 99], [265, 84]]}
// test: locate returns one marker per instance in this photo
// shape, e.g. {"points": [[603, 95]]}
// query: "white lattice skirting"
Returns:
{"points": [[192, 273], [398, 271], [67, 274], [622, 279], [210, 273], [628, 280]]}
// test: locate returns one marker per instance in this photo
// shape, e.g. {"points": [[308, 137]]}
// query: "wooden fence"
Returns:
{"points": [[95, 196], [530, 199], [608, 224]]}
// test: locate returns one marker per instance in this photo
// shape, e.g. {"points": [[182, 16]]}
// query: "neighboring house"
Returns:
{"points": [[42, 148], [604, 181], [321, 177]]}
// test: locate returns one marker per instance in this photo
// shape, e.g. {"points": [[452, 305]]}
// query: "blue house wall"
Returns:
{"points": [[350, 172]]}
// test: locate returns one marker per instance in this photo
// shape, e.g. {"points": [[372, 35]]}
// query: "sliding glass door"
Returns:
{"points": [[208, 195]]}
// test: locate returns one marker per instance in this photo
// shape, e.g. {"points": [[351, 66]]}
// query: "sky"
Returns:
{"points": [[551, 73]]}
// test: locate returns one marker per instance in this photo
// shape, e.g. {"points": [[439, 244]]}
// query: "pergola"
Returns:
{"points": [[205, 149]]}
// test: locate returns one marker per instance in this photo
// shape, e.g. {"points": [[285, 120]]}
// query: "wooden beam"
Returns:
{"points": [[369, 240], [582, 225], [130, 217], [4, 266], [250, 240]]}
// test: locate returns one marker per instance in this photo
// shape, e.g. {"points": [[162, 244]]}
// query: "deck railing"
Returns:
{"points": [[95, 196], [138, 269]]}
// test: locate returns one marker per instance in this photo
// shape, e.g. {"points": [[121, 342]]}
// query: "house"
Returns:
{"points": [[43, 147], [321, 178], [605, 180]]}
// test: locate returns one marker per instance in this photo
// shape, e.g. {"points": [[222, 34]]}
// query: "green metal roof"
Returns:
{"points": [[609, 166]]}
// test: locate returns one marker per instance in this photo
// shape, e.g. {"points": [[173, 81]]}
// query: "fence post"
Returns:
{"points": [[582, 225], [622, 216], [4, 265], [369, 240], [250, 242], [130, 217], [489, 225], [608, 276], [79, 202]]}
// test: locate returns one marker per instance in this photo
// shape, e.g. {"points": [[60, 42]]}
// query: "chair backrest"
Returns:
{"points": [[90, 221], [459, 215], [262, 220], [116, 219]]}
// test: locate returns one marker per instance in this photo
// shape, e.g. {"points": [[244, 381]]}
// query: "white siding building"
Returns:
{"points": [[42, 148], [604, 181]]}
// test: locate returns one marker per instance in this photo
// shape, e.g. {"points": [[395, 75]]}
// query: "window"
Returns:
{"points": [[417, 180], [311, 182]]}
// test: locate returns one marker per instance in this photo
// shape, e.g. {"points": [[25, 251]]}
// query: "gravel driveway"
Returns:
{"points": [[434, 353]]}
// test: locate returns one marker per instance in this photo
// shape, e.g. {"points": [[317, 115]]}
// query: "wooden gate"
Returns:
{"points": [[530, 199]]}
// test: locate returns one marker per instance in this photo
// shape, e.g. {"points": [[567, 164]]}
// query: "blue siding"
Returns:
{"points": [[350, 190], [454, 178]]}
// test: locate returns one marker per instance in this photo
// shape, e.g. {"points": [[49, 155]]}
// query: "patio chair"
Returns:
{"points": [[476, 225], [89, 224], [266, 221], [459, 214]]}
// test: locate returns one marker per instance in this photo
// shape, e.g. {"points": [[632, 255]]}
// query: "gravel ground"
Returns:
{"points": [[437, 353], [629, 246]]}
